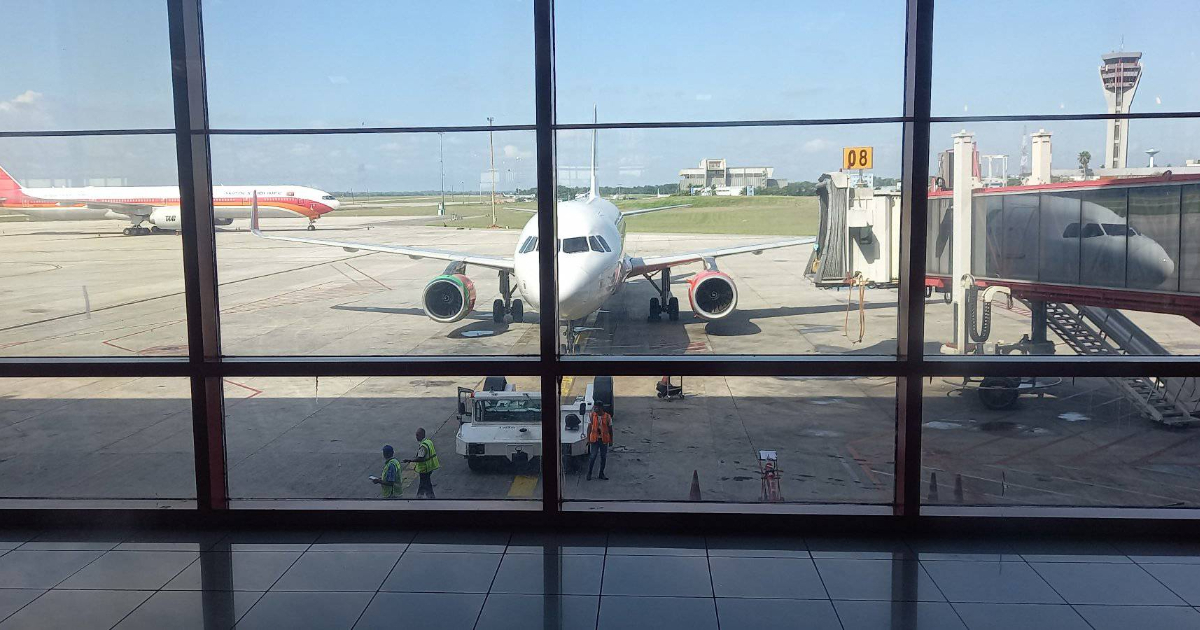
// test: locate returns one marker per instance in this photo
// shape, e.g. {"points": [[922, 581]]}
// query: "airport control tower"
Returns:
{"points": [[1120, 75]]}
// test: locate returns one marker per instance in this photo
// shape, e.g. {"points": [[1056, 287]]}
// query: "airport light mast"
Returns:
{"points": [[442, 168], [492, 170]]}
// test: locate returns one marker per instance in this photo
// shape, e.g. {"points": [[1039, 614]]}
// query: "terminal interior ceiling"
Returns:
{"points": [[492, 280]]}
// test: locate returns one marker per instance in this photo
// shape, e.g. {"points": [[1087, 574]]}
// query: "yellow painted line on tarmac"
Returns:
{"points": [[567, 381], [523, 486], [408, 474]]}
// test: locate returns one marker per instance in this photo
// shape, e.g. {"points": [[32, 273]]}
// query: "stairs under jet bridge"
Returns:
{"points": [[1094, 330]]}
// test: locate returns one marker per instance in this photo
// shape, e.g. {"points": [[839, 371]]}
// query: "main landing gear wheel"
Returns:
{"points": [[518, 311], [311, 226], [673, 309], [998, 392], [136, 230], [655, 310], [498, 311]]}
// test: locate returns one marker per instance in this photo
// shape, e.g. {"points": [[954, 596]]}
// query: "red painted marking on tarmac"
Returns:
{"points": [[369, 276], [1147, 458], [862, 463], [253, 391], [109, 342], [697, 346], [1104, 446]]}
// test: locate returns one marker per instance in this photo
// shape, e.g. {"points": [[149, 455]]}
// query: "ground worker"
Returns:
{"points": [[599, 437], [425, 462], [390, 479]]}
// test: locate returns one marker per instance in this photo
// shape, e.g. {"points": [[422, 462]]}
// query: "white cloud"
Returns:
{"points": [[512, 151], [1158, 100], [816, 145], [301, 148], [704, 97], [338, 80], [26, 99]]}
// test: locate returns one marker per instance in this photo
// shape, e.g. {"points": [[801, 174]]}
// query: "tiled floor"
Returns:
{"points": [[436, 580]]}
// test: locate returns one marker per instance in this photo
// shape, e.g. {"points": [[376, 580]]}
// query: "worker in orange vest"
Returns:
{"points": [[599, 438]]}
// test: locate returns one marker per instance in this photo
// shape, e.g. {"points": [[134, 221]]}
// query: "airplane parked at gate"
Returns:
{"points": [[592, 266], [159, 205]]}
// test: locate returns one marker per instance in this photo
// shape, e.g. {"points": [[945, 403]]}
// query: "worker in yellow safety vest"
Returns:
{"points": [[425, 462], [599, 438], [390, 479]]}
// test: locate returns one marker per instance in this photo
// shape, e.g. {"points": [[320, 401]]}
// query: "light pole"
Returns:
{"points": [[492, 171], [442, 168]]}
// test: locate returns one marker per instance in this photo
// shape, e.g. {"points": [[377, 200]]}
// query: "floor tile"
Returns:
{"points": [[991, 582], [1067, 550], [41, 569], [593, 543], [459, 542], [190, 610], [527, 574], [13, 599], [131, 570], [267, 541], [1023, 616], [13, 538], [898, 616], [881, 580], [1126, 617], [656, 576], [76, 610], [627, 544], [1111, 584], [419, 572], [525, 612], [758, 614], [427, 611], [657, 613], [234, 571], [382, 541], [794, 578], [338, 571], [1154, 551], [69, 545], [299, 611], [171, 540], [981, 549], [1183, 579], [859, 548], [757, 547]]}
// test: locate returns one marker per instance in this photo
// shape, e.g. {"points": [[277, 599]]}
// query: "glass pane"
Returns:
{"points": [[326, 291], [697, 205], [638, 61], [1067, 258], [735, 440], [1048, 441], [324, 438], [74, 64], [1121, 58], [1190, 240], [71, 283], [378, 64], [76, 441]]}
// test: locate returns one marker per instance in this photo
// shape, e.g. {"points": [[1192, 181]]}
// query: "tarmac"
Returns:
{"points": [[82, 289]]}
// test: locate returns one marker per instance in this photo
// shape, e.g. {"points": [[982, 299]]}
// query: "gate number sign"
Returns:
{"points": [[857, 157]]}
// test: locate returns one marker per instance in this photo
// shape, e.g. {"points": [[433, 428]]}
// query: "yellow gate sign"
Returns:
{"points": [[857, 157]]}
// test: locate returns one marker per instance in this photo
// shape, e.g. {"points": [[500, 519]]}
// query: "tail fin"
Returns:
{"points": [[254, 212], [9, 188], [595, 190]]}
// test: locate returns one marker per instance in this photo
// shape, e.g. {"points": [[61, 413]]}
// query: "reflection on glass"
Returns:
{"points": [[727, 241], [1050, 441], [72, 282], [392, 244], [743, 440], [97, 439], [484, 433]]}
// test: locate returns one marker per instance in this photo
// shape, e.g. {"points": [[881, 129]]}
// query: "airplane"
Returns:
{"points": [[592, 267], [158, 205]]}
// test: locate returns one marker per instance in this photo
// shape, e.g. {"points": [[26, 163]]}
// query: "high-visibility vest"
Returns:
{"points": [[601, 428], [390, 491], [431, 464]]}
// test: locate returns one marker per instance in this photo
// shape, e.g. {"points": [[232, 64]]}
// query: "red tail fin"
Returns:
{"points": [[9, 188]]}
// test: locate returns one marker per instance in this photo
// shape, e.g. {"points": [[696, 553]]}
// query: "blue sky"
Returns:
{"points": [[76, 64]]}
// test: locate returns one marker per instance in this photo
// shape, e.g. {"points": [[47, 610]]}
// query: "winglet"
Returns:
{"points": [[595, 189], [254, 213], [9, 188]]}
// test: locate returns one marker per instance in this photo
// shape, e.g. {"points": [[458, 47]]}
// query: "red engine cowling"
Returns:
{"points": [[713, 295], [449, 298]]}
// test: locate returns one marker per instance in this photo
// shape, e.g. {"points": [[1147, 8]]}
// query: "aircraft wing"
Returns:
{"points": [[132, 209], [630, 213], [490, 262], [651, 264]]}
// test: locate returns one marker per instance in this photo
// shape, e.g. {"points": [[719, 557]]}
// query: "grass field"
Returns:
{"points": [[780, 216]]}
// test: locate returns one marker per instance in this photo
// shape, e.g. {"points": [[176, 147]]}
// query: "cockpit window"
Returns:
{"points": [[1092, 230], [574, 245], [1117, 229], [596, 247], [529, 245], [1072, 231], [328, 197], [603, 243]]}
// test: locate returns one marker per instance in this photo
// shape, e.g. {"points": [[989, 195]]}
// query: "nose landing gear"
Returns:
{"points": [[312, 225], [664, 303], [505, 307]]}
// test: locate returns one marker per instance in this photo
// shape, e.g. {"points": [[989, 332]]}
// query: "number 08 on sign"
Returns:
{"points": [[857, 157]]}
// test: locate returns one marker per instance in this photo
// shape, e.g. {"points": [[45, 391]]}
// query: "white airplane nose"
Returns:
{"points": [[573, 293]]}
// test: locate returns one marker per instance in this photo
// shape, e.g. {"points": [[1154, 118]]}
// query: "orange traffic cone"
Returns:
{"points": [[958, 488], [933, 488], [694, 495]]}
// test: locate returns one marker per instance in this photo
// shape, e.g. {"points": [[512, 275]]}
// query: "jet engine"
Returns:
{"points": [[449, 298], [713, 295], [166, 219], [223, 221]]}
